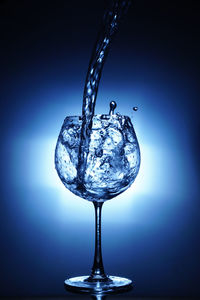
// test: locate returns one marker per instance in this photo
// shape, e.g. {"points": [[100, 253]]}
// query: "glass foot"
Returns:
{"points": [[114, 284]]}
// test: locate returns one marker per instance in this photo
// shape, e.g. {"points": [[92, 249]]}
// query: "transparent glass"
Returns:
{"points": [[112, 165]]}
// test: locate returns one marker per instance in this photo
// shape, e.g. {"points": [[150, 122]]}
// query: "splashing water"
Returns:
{"points": [[97, 157], [112, 19], [113, 105], [113, 159]]}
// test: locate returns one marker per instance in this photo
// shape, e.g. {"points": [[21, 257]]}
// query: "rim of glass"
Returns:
{"points": [[100, 116]]}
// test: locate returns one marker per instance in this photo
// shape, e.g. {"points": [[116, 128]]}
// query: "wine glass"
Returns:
{"points": [[112, 165]]}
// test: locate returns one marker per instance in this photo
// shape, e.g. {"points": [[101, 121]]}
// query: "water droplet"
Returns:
{"points": [[113, 105], [135, 108]]}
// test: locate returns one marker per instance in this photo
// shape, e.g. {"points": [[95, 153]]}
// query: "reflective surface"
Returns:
{"points": [[111, 285]]}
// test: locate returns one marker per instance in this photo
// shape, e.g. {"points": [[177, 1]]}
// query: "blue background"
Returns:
{"points": [[151, 231]]}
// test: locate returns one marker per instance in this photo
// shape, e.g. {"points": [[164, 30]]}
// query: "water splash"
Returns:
{"points": [[113, 105], [112, 19], [113, 160], [135, 108]]}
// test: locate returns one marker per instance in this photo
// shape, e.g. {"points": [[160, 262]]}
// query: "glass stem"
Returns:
{"points": [[98, 269]]}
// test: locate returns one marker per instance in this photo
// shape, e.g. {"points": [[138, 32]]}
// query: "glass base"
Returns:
{"points": [[114, 284]]}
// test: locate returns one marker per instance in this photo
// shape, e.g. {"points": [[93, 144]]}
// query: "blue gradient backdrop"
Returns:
{"points": [[151, 231]]}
